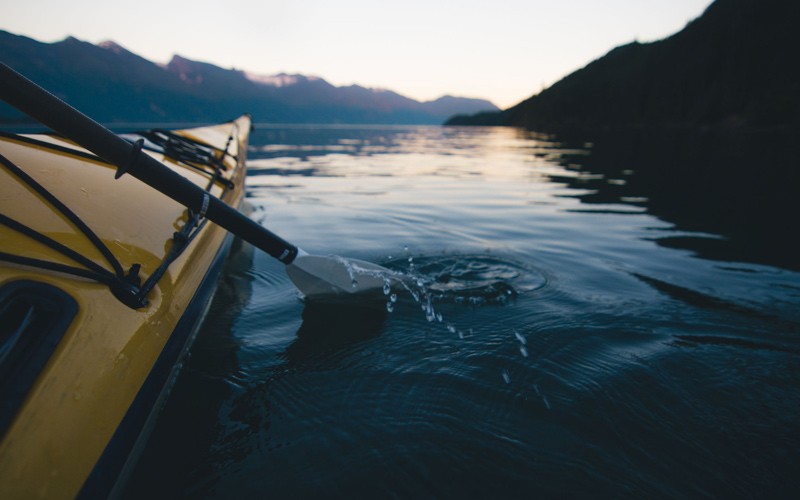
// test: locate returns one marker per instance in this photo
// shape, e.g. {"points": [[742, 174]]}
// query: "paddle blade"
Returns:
{"points": [[318, 276]]}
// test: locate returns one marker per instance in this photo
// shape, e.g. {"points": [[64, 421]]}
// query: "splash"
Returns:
{"points": [[473, 280]]}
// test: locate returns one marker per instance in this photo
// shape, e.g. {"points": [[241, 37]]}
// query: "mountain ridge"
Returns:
{"points": [[114, 85], [729, 68]]}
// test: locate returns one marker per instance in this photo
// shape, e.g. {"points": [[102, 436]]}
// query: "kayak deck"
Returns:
{"points": [[111, 352]]}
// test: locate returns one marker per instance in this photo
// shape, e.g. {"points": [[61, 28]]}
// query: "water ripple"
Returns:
{"points": [[472, 279]]}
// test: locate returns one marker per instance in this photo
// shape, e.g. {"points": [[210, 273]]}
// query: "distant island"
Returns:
{"points": [[114, 85], [734, 67]]}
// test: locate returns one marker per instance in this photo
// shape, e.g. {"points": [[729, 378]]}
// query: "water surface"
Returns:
{"points": [[572, 335]]}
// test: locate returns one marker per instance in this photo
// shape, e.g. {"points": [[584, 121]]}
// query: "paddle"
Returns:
{"points": [[313, 275]]}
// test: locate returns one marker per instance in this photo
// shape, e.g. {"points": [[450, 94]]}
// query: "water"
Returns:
{"points": [[575, 327]]}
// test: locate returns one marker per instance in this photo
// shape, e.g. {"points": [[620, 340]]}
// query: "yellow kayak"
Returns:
{"points": [[103, 284]]}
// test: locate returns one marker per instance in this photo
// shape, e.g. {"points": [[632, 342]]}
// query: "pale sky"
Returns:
{"points": [[501, 50]]}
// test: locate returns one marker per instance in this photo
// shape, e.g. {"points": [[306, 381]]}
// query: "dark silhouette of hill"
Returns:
{"points": [[114, 85], [700, 129], [733, 67]]}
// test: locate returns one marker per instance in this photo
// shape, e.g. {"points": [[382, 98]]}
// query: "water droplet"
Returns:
{"points": [[460, 334], [390, 307], [506, 376], [522, 340], [439, 317], [451, 329], [387, 287], [393, 297], [546, 402], [524, 351], [354, 283], [411, 260]]}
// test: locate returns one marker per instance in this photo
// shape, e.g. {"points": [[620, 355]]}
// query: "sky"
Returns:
{"points": [[501, 50]]}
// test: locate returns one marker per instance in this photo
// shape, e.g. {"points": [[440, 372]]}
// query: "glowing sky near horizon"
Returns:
{"points": [[501, 50]]}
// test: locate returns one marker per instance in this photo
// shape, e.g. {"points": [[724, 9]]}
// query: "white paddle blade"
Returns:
{"points": [[331, 275]]}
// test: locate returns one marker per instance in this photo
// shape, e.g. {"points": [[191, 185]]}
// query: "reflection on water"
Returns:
{"points": [[330, 328], [201, 392], [740, 187], [617, 319]]}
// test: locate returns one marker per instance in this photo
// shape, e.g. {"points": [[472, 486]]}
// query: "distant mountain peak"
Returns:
{"points": [[114, 47], [279, 80], [184, 69], [198, 72], [178, 61]]}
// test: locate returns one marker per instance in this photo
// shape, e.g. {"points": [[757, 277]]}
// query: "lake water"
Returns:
{"points": [[595, 331]]}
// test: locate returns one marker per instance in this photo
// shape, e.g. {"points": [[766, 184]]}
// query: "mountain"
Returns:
{"points": [[700, 128], [114, 85], [733, 67]]}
